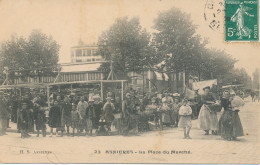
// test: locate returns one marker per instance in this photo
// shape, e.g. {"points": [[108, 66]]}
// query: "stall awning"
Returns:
{"points": [[80, 68], [160, 76]]}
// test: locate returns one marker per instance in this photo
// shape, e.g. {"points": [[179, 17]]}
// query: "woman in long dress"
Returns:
{"points": [[229, 126], [238, 17], [208, 117]]}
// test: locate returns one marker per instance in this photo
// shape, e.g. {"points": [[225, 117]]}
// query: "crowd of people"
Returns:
{"points": [[74, 115]]}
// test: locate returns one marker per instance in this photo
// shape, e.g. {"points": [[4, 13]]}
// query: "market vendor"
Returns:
{"points": [[207, 116]]}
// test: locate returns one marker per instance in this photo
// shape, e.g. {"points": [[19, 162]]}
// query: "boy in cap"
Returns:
{"points": [[75, 117]]}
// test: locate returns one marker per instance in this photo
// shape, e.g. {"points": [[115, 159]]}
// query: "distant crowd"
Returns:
{"points": [[88, 115]]}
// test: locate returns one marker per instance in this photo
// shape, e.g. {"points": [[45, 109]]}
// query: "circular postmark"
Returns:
{"points": [[214, 14]]}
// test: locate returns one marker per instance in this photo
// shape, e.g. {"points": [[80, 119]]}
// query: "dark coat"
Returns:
{"points": [[24, 119], [55, 117]]}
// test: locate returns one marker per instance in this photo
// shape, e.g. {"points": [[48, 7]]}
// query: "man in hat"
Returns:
{"points": [[29, 103], [82, 106], [3, 115], [98, 105], [66, 113], [90, 116], [23, 118], [197, 103]]}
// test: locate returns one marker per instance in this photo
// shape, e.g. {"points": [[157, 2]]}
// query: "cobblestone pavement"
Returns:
{"points": [[167, 146]]}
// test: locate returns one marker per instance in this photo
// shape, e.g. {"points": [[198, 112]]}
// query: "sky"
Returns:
{"points": [[69, 20]]}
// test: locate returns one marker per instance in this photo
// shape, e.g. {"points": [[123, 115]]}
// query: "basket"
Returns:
{"points": [[215, 107]]}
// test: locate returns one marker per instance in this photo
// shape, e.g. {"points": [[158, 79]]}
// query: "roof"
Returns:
{"points": [[80, 67]]}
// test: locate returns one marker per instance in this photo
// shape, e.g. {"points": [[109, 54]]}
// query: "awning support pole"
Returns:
{"points": [[101, 88], [48, 95], [122, 94]]}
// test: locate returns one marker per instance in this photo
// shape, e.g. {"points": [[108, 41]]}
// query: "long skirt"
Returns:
{"points": [[225, 125], [82, 124], [174, 117], [207, 119], [185, 122], [166, 117], [89, 124], [237, 129], [230, 125]]}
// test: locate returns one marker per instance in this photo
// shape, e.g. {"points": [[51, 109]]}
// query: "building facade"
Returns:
{"points": [[85, 53]]}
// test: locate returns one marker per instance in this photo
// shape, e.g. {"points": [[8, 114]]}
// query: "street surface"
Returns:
{"points": [[149, 147]]}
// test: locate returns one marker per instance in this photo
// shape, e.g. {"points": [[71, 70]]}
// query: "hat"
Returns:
{"points": [[207, 87], [96, 97], [185, 99]]}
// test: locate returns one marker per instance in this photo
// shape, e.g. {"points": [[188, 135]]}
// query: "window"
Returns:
{"points": [[78, 60], [88, 60], [93, 59], [88, 52], [84, 52], [78, 52], [94, 52]]}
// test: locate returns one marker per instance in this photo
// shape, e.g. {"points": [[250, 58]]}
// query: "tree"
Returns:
{"points": [[236, 77], [176, 35], [35, 56], [125, 43], [256, 79], [216, 63]]}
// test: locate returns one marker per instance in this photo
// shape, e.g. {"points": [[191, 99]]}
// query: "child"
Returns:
{"points": [[75, 117], [55, 117], [185, 118]]}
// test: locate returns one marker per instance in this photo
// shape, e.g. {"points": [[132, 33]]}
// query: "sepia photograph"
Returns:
{"points": [[129, 81]]}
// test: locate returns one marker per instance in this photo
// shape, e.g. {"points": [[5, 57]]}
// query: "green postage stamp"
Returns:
{"points": [[241, 20]]}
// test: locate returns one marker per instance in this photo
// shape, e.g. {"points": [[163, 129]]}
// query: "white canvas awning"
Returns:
{"points": [[80, 67], [158, 75], [166, 77], [202, 84]]}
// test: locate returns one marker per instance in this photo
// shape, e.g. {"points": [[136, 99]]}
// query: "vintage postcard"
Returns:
{"points": [[129, 81]]}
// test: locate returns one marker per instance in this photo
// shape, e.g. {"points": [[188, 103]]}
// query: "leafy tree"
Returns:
{"points": [[256, 79], [35, 56], [176, 35], [236, 77], [216, 63], [126, 43]]}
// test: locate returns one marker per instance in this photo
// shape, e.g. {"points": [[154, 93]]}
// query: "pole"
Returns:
{"points": [[122, 94], [143, 83], [101, 88], [48, 96], [149, 78]]}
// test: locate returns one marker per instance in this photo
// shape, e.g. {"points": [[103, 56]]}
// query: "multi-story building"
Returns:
{"points": [[85, 53]]}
